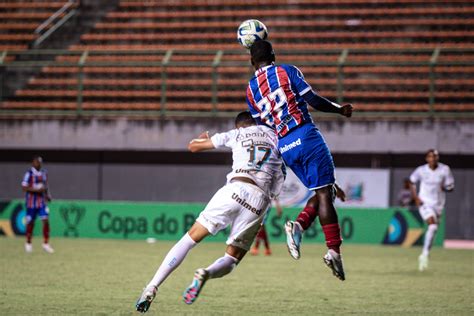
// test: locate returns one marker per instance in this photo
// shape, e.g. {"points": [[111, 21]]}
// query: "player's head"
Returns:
{"points": [[244, 119], [37, 161], [261, 54], [432, 157]]}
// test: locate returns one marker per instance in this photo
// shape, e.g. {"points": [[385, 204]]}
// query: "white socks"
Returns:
{"points": [[429, 237], [173, 259], [222, 266]]}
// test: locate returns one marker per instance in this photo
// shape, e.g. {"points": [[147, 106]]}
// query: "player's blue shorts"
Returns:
{"points": [[31, 213], [306, 153]]}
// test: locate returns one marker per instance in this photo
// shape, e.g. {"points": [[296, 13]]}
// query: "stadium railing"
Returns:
{"points": [[220, 59]]}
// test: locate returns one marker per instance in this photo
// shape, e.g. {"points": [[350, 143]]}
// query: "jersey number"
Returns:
{"points": [[258, 156], [278, 96]]}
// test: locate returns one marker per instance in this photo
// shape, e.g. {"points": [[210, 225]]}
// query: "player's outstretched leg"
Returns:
{"points": [[294, 234], [193, 290], [334, 261], [305, 219], [145, 300]]}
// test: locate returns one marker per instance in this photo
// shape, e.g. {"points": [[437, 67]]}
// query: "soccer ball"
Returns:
{"points": [[250, 31]]}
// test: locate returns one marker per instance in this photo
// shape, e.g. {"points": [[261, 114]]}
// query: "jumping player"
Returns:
{"points": [[279, 97], [35, 184], [435, 180], [256, 177]]}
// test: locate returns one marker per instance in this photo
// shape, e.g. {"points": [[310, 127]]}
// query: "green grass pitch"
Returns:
{"points": [[105, 277]]}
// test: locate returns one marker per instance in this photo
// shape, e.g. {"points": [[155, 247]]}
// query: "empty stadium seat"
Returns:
{"points": [[311, 34]]}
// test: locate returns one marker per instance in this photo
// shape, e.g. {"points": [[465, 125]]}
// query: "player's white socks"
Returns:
{"points": [[429, 237], [173, 259], [222, 266]]}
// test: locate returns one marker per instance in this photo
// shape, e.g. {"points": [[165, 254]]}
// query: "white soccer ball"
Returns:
{"points": [[250, 31]]}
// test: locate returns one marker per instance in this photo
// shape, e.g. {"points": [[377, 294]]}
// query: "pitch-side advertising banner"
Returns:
{"points": [[357, 183], [168, 221]]}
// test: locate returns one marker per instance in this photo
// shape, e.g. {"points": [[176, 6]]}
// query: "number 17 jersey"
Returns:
{"points": [[255, 156]]}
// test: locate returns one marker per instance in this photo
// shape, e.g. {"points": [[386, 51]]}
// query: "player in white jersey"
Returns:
{"points": [[435, 180], [256, 177]]}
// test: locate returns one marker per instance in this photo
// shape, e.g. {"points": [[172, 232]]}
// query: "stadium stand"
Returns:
{"points": [[22, 21], [397, 55]]}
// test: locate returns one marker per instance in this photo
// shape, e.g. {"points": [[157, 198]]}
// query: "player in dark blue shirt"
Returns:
{"points": [[278, 96]]}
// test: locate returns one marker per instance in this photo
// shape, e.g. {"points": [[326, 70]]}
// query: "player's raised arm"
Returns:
{"points": [[316, 101], [324, 105], [202, 143]]}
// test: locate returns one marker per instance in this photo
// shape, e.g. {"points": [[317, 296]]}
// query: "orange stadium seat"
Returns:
{"points": [[19, 19]]}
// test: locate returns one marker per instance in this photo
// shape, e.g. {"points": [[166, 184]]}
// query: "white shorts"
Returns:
{"points": [[240, 205], [427, 211]]}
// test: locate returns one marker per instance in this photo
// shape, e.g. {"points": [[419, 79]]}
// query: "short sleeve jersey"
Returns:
{"points": [[35, 179], [432, 182], [255, 156], [274, 95]]}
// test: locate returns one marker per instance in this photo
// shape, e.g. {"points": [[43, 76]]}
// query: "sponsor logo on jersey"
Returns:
{"points": [[244, 203], [284, 123], [242, 171], [251, 135], [290, 146]]}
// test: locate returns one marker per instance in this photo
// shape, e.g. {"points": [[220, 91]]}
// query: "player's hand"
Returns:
{"points": [[346, 110], [418, 201], [341, 195], [49, 198], [204, 135]]}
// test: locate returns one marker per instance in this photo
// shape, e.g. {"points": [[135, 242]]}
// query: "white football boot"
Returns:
{"points": [[423, 262], [48, 248], [294, 234], [145, 300], [28, 248], [334, 261]]}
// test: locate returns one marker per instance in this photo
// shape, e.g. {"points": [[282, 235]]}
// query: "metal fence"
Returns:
{"points": [[12, 62]]}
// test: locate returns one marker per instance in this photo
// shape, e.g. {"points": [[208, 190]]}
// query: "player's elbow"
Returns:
{"points": [[449, 188]]}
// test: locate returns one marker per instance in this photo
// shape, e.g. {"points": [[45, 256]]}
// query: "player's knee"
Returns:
{"points": [[433, 227], [234, 262], [313, 201]]}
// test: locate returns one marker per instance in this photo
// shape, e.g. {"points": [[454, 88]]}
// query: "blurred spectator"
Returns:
{"points": [[405, 196]]}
